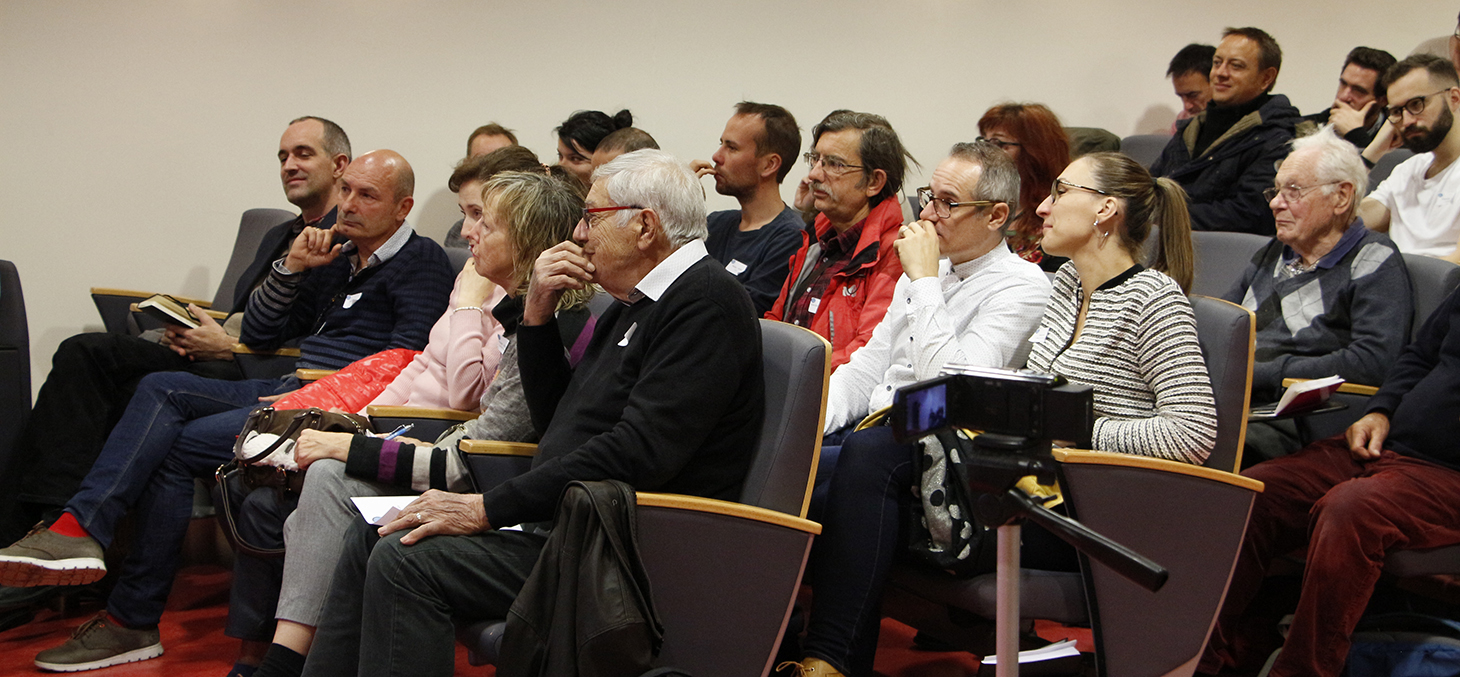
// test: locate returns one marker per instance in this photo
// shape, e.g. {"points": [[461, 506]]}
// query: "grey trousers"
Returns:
{"points": [[314, 536]]}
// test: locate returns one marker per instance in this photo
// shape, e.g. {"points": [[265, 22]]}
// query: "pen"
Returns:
{"points": [[399, 431]]}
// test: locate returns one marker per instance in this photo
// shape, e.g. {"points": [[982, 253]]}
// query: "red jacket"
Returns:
{"points": [[858, 296]]}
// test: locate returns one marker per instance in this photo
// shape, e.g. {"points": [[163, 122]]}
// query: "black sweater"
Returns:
{"points": [[1421, 394], [669, 397]]}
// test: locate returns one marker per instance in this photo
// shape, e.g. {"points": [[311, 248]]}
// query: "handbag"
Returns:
{"points": [[248, 471], [943, 530]]}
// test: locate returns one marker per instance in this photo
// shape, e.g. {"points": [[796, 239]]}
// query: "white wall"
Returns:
{"points": [[133, 134]]}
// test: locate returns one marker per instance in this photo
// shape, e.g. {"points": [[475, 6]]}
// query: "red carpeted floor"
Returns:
{"points": [[192, 636]]}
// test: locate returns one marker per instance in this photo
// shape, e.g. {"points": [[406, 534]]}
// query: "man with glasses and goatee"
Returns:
{"points": [[1416, 205], [841, 278]]}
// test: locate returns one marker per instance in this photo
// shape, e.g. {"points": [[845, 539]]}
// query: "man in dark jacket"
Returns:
{"points": [[1358, 106], [1227, 155]]}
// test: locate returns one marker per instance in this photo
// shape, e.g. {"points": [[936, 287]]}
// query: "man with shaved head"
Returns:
{"points": [[368, 284]]}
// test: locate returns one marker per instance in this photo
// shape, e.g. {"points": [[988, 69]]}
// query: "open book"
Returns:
{"points": [[167, 310], [1303, 396]]}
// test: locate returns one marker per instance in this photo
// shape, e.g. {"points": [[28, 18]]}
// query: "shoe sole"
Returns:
{"points": [[22, 572], [142, 654]]}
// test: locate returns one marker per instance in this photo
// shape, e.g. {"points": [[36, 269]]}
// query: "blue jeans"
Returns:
{"points": [[178, 427]]}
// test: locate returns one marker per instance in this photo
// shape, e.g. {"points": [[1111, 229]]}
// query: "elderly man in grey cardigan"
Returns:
{"points": [[1331, 296]]}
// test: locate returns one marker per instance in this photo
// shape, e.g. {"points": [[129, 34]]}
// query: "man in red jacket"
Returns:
{"points": [[842, 277]]}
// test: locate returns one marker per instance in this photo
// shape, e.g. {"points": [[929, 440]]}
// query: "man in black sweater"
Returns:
{"points": [[1226, 155], [668, 397], [1390, 483]]}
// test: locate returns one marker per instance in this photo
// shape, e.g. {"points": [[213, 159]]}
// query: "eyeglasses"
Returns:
{"points": [[1293, 192], [1055, 192], [943, 207], [591, 220], [1003, 145], [829, 164], [1415, 106]]}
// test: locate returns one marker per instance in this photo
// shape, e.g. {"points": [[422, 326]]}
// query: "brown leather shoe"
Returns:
{"points": [[810, 667]]}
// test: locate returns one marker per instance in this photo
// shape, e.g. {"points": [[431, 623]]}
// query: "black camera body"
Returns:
{"points": [[1036, 407]]}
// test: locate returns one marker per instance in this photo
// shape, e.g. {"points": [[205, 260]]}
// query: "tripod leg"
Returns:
{"points": [[1006, 633]]}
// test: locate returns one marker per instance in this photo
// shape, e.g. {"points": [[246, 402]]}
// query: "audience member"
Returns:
{"points": [[1351, 500], [1225, 156], [381, 289], [1035, 140], [1358, 107], [1416, 204], [626, 140], [668, 397], [756, 242], [580, 135], [487, 138], [521, 215], [455, 371], [1190, 72], [1331, 296], [846, 265], [1137, 346], [93, 375], [513, 158]]}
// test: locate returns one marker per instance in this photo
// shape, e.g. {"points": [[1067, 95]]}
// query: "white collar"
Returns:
{"points": [[663, 275]]}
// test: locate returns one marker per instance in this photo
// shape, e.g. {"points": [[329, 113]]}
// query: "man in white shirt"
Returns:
{"points": [[963, 297], [1417, 204]]}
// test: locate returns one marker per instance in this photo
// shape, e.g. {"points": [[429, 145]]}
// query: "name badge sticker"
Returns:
{"points": [[628, 335], [736, 266], [352, 298], [1039, 335], [815, 303]]}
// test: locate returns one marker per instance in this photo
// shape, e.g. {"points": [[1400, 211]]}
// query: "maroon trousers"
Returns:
{"points": [[1349, 515]]}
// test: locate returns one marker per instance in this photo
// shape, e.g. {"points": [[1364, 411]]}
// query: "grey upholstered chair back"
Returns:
{"points": [[1431, 280], [1220, 259], [458, 257], [1227, 333], [1144, 148], [251, 229], [797, 364], [14, 362], [1385, 166]]}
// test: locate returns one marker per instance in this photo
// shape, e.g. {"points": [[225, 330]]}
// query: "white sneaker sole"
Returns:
{"points": [[132, 656], [28, 571]]}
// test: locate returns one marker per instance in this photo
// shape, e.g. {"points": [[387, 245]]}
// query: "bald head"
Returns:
{"points": [[375, 197], [392, 168]]}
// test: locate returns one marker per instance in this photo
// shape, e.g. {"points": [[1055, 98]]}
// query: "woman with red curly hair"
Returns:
{"points": [[1035, 140]]}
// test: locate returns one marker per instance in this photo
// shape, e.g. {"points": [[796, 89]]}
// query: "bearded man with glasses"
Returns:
{"points": [[1331, 296], [1416, 205], [841, 278]]}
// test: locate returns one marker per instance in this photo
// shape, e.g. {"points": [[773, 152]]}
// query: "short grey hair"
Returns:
{"points": [[654, 179], [998, 179], [1336, 161]]}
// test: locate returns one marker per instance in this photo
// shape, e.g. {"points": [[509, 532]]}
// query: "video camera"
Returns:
{"points": [[1020, 404]]}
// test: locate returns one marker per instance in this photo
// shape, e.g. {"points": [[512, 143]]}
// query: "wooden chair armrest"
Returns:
{"points": [[144, 295], [497, 448], [1133, 461], [718, 507], [215, 314], [376, 410], [312, 374], [1350, 388], [240, 349]]}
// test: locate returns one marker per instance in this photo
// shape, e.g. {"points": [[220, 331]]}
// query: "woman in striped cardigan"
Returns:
{"points": [[1111, 323]]}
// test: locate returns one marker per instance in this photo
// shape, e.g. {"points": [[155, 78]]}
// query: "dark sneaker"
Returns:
{"points": [[45, 557], [99, 643]]}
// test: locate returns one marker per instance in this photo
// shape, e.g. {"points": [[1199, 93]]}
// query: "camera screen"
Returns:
{"points": [[926, 410]]}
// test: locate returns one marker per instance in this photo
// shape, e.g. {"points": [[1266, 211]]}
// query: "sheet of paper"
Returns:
{"points": [[380, 510], [1045, 653]]}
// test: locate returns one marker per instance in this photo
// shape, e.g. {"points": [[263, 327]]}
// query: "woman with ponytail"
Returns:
{"points": [[1113, 324]]}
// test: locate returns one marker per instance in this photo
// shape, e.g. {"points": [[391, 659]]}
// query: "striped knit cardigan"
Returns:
{"points": [[1138, 349]]}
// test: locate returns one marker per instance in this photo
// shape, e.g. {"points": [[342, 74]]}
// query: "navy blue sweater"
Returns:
{"points": [[1421, 394], [343, 318]]}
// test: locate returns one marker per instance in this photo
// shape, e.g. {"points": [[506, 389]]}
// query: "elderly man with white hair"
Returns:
{"points": [[1331, 296], [668, 397]]}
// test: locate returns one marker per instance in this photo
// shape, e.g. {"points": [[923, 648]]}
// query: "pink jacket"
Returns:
{"points": [[458, 364]]}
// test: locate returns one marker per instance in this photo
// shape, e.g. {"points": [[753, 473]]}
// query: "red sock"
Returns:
{"points": [[113, 619], [68, 526]]}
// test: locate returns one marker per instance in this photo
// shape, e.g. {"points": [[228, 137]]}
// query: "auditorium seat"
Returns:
{"points": [[15, 399], [1144, 148], [1220, 259], [1386, 165]]}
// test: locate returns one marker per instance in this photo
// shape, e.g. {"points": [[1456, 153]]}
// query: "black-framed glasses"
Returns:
{"points": [[1055, 192], [591, 220], [944, 207], [1415, 106], [1002, 144], [829, 164], [1293, 192]]}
